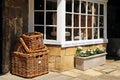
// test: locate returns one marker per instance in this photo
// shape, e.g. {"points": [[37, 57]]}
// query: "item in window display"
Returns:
{"points": [[54, 33], [90, 8]]}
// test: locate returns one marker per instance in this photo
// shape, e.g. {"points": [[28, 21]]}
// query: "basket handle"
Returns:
{"points": [[26, 48], [24, 45]]}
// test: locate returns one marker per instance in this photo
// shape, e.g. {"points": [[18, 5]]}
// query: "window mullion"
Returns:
{"points": [[86, 21], [98, 27], [93, 21], [44, 19], [105, 21], [80, 20]]}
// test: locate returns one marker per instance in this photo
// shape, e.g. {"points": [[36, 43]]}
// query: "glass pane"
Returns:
{"points": [[83, 7], [76, 6], [39, 29], [90, 7], [39, 18], [83, 20], [89, 21], [95, 21], [54, 32], [101, 9], [51, 4], [76, 20], [68, 36], [50, 34], [96, 8], [101, 32], [101, 20], [76, 34], [68, 5], [90, 33], [68, 20], [83, 34], [95, 33], [39, 4], [51, 18]]}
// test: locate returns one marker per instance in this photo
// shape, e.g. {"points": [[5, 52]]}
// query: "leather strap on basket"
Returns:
{"points": [[26, 48]]}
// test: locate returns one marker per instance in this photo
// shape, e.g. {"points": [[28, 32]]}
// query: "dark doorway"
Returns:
{"points": [[113, 26], [0, 36], [113, 8]]}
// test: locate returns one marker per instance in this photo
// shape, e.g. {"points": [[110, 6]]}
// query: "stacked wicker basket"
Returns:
{"points": [[30, 57]]}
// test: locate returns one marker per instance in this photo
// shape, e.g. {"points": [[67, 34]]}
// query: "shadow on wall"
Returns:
{"points": [[0, 36], [113, 48]]}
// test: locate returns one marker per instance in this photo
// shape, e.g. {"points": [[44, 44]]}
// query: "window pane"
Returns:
{"points": [[76, 34], [101, 9], [83, 20], [68, 20], [50, 34], [89, 21], [96, 8], [51, 5], [54, 33], [68, 36], [76, 6], [51, 18], [68, 5], [39, 18], [95, 33], [101, 32], [83, 33], [90, 7], [95, 21], [76, 20], [39, 29], [90, 33], [83, 7], [101, 20], [39, 4]]}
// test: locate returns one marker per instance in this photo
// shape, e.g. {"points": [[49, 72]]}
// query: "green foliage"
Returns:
{"points": [[85, 53]]}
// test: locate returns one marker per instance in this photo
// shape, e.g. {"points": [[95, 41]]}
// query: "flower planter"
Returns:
{"points": [[84, 63]]}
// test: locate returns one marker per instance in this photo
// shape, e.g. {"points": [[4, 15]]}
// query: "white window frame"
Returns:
{"points": [[61, 25]]}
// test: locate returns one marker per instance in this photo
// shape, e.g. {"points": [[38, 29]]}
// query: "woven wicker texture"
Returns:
{"points": [[30, 57]]}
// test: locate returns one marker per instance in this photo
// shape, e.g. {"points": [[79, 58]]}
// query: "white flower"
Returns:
{"points": [[79, 47]]}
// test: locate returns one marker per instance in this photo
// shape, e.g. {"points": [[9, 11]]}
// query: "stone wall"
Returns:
{"points": [[62, 59], [15, 22]]}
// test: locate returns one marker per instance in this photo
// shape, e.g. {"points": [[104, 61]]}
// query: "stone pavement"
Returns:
{"points": [[109, 71]]}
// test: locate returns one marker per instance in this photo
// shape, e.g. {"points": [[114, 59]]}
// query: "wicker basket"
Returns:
{"points": [[31, 43], [33, 40], [29, 65]]}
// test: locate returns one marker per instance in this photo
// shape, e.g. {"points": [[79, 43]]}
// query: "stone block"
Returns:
{"points": [[51, 59], [58, 62], [70, 51], [51, 66], [67, 62], [55, 50]]}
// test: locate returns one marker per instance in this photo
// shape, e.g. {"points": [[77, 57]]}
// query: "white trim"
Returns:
{"points": [[84, 42], [103, 1], [105, 21], [76, 43], [61, 21], [31, 16]]}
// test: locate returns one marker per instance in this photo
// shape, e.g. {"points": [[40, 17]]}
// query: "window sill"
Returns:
{"points": [[77, 43]]}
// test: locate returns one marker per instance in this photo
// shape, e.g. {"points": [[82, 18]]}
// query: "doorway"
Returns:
{"points": [[113, 29], [0, 36]]}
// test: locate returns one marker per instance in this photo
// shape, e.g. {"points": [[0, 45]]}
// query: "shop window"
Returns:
{"points": [[84, 15], [45, 18], [70, 22]]}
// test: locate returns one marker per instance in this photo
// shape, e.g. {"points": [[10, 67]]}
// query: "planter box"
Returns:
{"points": [[84, 63]]}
